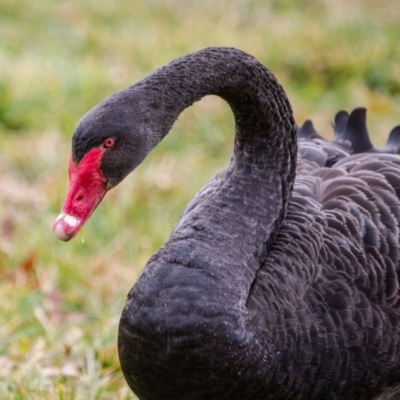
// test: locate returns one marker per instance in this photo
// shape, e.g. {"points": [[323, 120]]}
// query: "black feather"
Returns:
{"points": [[271, 286]]}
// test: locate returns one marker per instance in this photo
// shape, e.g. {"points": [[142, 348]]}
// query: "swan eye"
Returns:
{"points": [[109, 142]]}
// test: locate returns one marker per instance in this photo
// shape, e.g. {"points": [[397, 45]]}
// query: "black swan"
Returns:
{"points": [[278, 282]]}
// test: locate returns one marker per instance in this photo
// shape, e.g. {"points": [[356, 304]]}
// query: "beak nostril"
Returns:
{"points": [[79, 197]]}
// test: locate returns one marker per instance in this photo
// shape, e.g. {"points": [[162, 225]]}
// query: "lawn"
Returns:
{"points": [[60, 302]]}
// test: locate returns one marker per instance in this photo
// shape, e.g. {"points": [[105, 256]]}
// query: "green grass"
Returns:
{"points": [[60, 303]]}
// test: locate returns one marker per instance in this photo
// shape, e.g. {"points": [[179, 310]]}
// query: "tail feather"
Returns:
{"points": [[307, 131], [339, 126], [393, 142]]}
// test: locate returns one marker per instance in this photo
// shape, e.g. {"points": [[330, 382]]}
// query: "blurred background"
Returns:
{"points": [[60, 302]]}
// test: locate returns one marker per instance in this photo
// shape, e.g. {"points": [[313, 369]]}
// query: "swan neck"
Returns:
{"points": [[215, 252], [263, 115], [250, 201]]}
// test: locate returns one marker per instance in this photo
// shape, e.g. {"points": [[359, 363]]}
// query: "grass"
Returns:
{"points": [[60, 303]]}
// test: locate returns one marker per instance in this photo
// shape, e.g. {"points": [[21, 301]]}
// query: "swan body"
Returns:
{"points": [[280, 280]]}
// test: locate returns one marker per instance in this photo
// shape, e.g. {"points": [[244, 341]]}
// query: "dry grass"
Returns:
{"points": [[60, 303]]}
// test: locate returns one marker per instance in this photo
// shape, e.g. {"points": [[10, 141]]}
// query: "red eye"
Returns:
{"points": [[108, 143]]}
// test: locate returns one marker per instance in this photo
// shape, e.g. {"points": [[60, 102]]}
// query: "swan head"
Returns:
{"points": [[108, 143]]}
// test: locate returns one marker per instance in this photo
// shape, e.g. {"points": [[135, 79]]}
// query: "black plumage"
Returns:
{"points": [[393, 142], [353, 128], [340, 124], [307, 131], [279, 281]]}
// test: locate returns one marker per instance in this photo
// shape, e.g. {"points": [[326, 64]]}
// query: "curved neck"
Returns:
{"points": [[263, 115], [240, 213]]}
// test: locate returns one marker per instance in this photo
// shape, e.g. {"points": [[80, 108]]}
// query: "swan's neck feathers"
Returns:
{"points": [[228, 226]]}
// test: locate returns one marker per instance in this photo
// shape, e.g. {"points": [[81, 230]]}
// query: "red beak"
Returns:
{"points": [[87, 188]]}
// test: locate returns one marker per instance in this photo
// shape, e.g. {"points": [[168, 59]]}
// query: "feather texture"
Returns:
{"points": [[271, 286]]}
